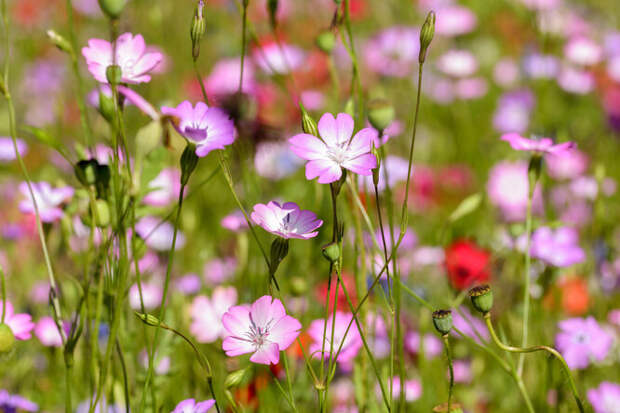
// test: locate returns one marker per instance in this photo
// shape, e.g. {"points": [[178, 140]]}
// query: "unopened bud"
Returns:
{"points": [[380, 114], [442, 320], [197, 28], [189, 161], [326, 41], [308, 125], [426, 35], [113, 74], [279, 251], [102, 210], [482, 298], [59, 41], [331, 252], [112, 8], [236, 377], [148, 319], [86, 171], [376, 171], [7, 338]]}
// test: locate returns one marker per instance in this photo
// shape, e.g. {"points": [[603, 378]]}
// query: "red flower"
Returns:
{"points": [[467, 264]]}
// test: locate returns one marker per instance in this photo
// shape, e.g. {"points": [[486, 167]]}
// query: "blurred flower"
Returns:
{"points": [[576, 81], [84, 407], [379, 341], [413, 389], [506, 72], [568, 166], [583, 51], [209, 128], [462, 371], [206, 314], [393, 51], [188, 284], [10, 403], [48, 199], [131, 56], [471, 88], [582, 341], [191, 406], [538, 145], [542, 4], [313, 99], [7, 150], [274, 160], [613, 68], [287, 220], [161, 364], [336, 149], [605, 398], [164, 189], [224, 77], [454, 20], [408, 243], [158, 234], [46, 331], [219, 270], [508, 190], [235, 221], [469, 325], [513, 111], [274, 58], [557, 247], [263, 329], [396, 169], [432, 345], [152, 294], [467, 264], [457, 63], [539, 66], [20, 324], [351, 344]]}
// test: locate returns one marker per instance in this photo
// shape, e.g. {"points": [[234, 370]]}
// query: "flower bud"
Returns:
{"points": [[148, 319], [236, 377], [442, 320], [272, 10], [279, 251], [197, 28], [106, 107], [482, 298], [349, 107], [102, 183], [299, 286], [326, 41], [376, 172], [86, 171], [533, 170], [112, 8], [331, 252], [426, 35], [59, 41], [6, 338], [189, 161], [102, 219], [113, 74], [380, 114], [308, 125]]}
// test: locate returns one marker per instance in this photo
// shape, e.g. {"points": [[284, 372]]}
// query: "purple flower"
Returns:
{"points": [[7, 150], [571, 165], [581, 341], [336, 149], [262, 328], [158, 234], [432, 345], [12, 402], [351, 344], [396, 168], [454, 20], [209, 128], [274, 160], [469, 325], [413, 389], [287, 220], [577, 81], [20, 324], [539, 146], [131, 56], [513, 111], [539, 66], [49, 200], [206, 314], [605, 398], [46, 331], [559, 248], [191, 406], [164, 189], [188, 284], [393, 51]]}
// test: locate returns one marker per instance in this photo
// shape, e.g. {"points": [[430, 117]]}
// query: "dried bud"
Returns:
{"points": [[112, 8], [113, 74], [331, 252], [59, 41], [426, 35], [308, 125], [442, 320], [482, 298], [326, 41], [6, 338], [380, 114], [189, 161], [197, 28]]}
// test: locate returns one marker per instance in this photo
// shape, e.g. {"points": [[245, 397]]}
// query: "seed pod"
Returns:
{"points": [[331, 252], [482, 298], [112, 8], [442, 320]]}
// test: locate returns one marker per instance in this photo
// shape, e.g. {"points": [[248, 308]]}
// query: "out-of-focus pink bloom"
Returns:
{"points": [[131, 56], [508, 189], [413, 389], [506, 72], [432, 345], [471, 88], [164, 188], [15, 402], [457, 63], [336, 149], [206, 314], [426, 255], [47, 332], [408, 243], [235, 221], [559, 248], [224, 77], [188, 284], [313, 99], [152, 294], [20, 324], [542, 146], [454, 20], [219, 270], [87, 7], [605, 398], [158, 234], [396, 168], [462, 371], [393, 51], [513, 111], [262, 328], [576, 81], [161, 363], [539, 66], [7, 150], [613, 68], [287, 220], [542, 4], [585, 187], [569, 166], [583, 51], [379, 342], [209, 128], [614, 317], [582, 341], [273, 59], [49, 200], [351, 344], [469, 325], [40, 292], [149, 263], [192, 406], [274, 160]]}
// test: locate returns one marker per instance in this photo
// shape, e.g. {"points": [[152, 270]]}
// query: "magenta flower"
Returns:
{"points": [[235, 221], [351, 343], [46, 331], [20, 324], [192, 406], [393, 51], [131, 55], [559, 247], [152, 294], [336, 149], [14, 403], [164, 189], [542, 146], [286, 221], [605, 398], [218, 270], [413, 389], [581, 341], [508, 189], [158, 234], [206, 314], [7, 150], [274, 58], [432, 345], [49, 200], [262, 328], [208, 128], [224, 77]]}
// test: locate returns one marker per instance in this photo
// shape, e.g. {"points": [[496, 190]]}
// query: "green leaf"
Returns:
{"points": [[466, 207]]}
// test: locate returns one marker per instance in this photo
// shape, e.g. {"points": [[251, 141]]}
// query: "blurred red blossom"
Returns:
{"points": [[467, 264]]}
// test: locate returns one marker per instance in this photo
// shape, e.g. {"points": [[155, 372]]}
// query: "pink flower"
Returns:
{"points": [[209, 128], [571, 165], [508, 189], [206, 314], [274, 160], [432, 345], [336, 149], [457, 63], [49, 200], [262, 328], [224, 77], [274, 58], [351, 343], [605, 398], [454, 20], [286, 221], [7, 150], [219, 270], [235, 221], [131, 56], [20, 324], [191, 406], [581, 341], [164, 189], [539, 146], [152, 294], [413, 389], [393, 51], [559, 247], [158, 234], [46, 331], [583, 51]]}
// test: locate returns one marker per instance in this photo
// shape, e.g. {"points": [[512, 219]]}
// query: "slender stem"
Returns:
{"points": [[288, 379], [121, 358], [279, 386], [68, 382], [3, 292], [244, 23], [446, 342], [201, 82], [527, 276]]}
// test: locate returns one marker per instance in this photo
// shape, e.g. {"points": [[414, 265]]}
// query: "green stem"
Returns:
{"points": [[68, 382], [288, 379], [201, 82], [3, 292], [446, 342], [244, 23], [527, 276]]}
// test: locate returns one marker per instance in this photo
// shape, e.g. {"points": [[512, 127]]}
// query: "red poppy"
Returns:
{"points": [[467, 264]]}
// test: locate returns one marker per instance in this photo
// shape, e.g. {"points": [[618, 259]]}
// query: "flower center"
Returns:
{"points": [[581, 338], [258, 335], [338, 153]]}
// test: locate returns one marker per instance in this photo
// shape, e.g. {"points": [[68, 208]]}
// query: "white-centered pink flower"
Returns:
{"points": [[49, 200], [542, 146], [206, 314], [287, 220], [351, 342], [336, 149], [209, 128], [262, 328], [131, 56]]}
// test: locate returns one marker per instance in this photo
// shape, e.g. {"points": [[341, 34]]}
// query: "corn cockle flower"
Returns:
{"points": [[287, 220], [7, 150], [605, 398], [351, 344], [131, 56], [274, 58], [206, 314], [582, 341], [164, 189], [46, 331], [158, 234], [20, 324], [262, 328], [192, 406], [206, 127], [49, 200], [336, 149], [542, 146]]}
